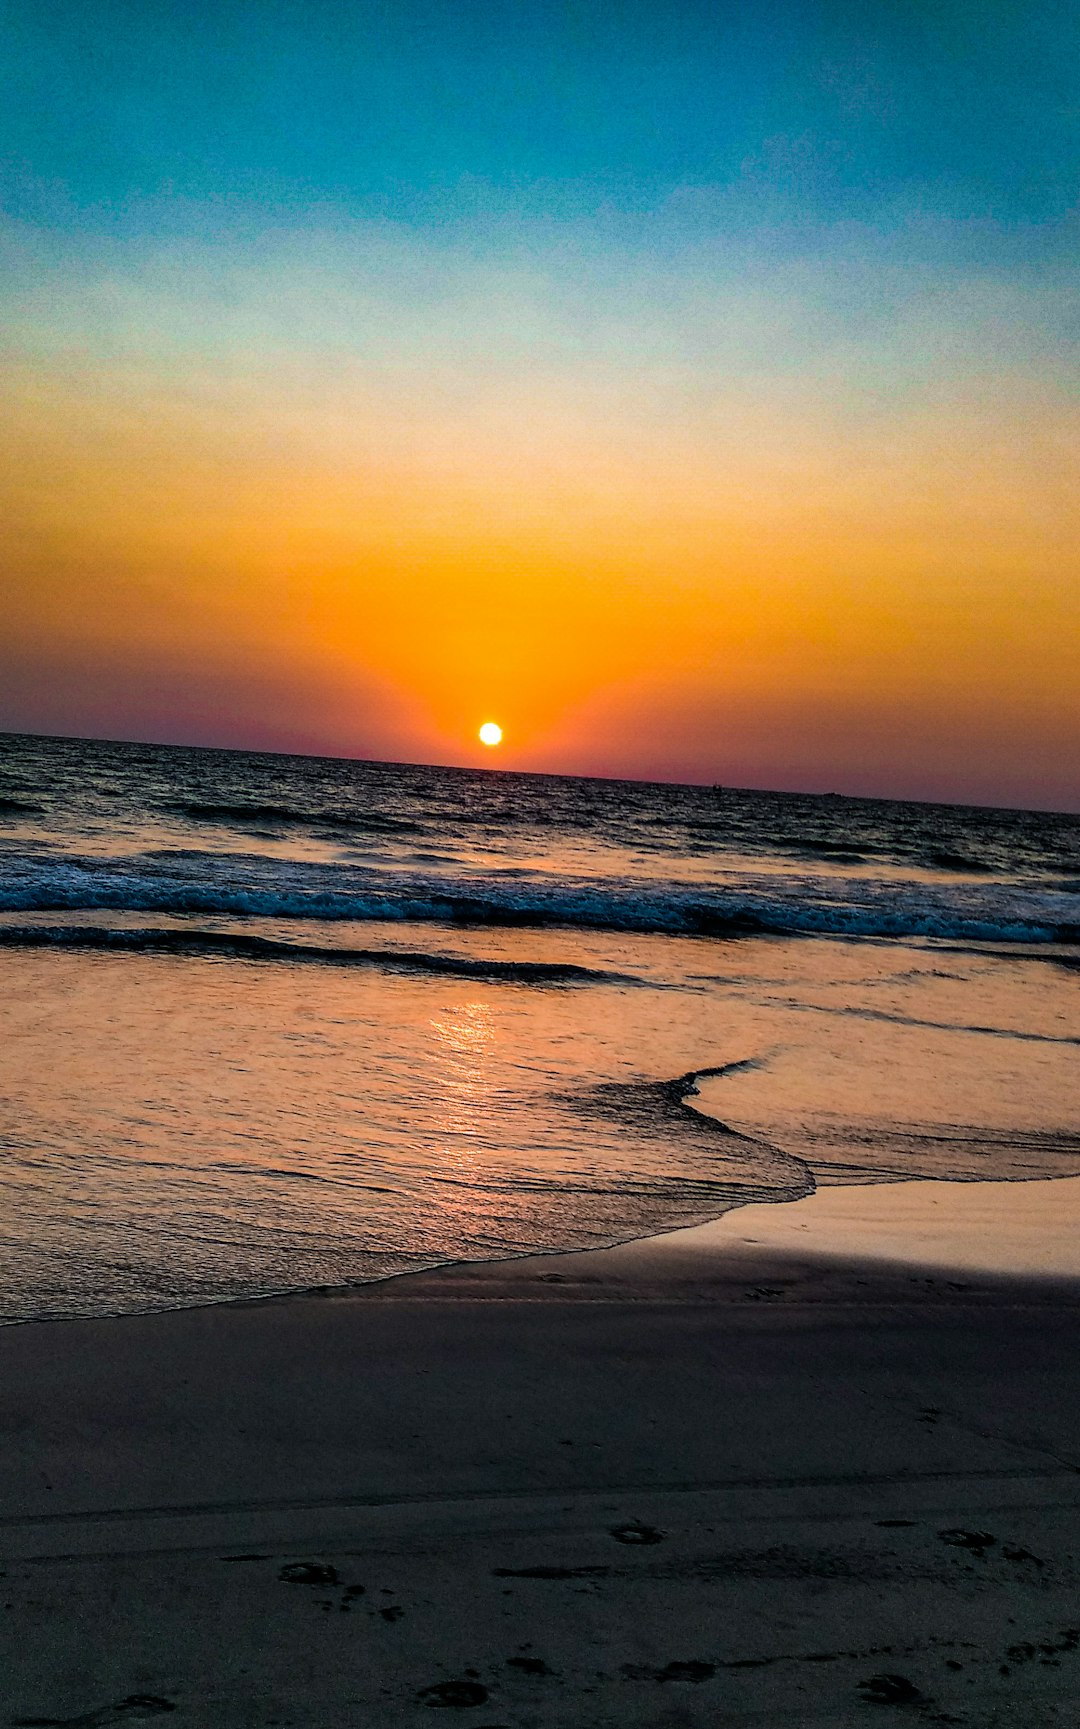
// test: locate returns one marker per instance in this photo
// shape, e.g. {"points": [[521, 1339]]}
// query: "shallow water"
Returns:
{"points": [[268, 1024]]}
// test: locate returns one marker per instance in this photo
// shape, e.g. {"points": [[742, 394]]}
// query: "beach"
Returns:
{"points": [[539, 866], [577, 1254], [693, 1480]]}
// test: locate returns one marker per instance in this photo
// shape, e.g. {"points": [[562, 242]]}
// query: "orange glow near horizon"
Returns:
{"points": [[753, 580]]}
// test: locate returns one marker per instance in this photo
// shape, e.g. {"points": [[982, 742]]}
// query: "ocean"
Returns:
{"points": [[276, 1023]]}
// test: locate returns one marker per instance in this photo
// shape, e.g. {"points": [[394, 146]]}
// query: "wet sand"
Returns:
{"points": [[806, 1464]]}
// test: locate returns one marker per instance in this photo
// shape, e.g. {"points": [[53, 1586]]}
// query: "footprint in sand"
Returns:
{"points": [[977, 1542], [637, 1533], [308, 1573], [135, 1706], [688, 1669], [889, 1690], [454, 1693]]}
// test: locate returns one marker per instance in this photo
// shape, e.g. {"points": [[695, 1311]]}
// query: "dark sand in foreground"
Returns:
{"points": [[697, 1481]]}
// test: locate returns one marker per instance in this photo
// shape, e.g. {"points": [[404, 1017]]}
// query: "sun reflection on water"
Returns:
{"points": [[465, 1040]]}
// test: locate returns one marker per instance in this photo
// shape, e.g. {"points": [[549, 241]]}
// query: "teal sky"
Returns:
{"points": [[786, 112]]}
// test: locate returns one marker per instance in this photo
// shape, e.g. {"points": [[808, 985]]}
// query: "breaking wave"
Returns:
{"points": [[244, 885]]}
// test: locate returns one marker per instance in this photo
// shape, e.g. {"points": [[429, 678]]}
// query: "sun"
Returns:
{"points": [[490, 734]]}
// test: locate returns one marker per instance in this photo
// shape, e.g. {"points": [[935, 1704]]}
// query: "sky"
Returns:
{"points": [[688, 388]]}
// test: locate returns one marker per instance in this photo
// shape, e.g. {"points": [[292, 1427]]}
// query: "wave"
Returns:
{"points": [[242, 945], [956, 861], [837, 851], [898, 1020], [19, 806], [865, 852], [1069, 962], [245, 814], [242, 885]]}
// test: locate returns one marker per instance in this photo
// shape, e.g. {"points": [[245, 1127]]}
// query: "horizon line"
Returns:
{"points": [[538, 774]]}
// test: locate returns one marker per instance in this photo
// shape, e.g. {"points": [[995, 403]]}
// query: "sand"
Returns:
{"points": [[749, 1474]]}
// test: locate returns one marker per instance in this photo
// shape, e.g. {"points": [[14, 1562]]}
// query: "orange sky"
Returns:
{"points": [[720, 543], [689, 388]]}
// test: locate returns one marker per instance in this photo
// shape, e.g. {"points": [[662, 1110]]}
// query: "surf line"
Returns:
{"points": [[246, 946]]}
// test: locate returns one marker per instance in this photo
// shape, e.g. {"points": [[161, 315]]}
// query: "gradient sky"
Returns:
{"points": [[690, 388]]}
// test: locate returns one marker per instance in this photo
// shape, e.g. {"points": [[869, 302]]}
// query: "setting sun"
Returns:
{"points": [[490, 733]]}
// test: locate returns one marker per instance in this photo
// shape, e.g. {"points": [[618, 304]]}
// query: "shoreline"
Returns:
{"points": [[908, 1236], [917, 1230], [654, 1486]]}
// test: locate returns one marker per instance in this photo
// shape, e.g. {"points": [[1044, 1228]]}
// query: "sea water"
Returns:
{"points": [[269, 1023]]}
